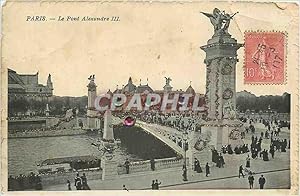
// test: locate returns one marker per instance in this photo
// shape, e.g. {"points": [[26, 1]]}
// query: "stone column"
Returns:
{"points": [[220, 97], [91, 111], [108, 133], [203, 155], [109, 168]]}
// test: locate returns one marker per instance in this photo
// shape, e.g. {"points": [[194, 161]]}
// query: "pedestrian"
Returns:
{"points": [[224, 149], [184, 172], [265, 155], [78, 183], [241, 171], [85, 186], [124, 188], [272, 151], [283, 147], [197, 166], [251, 180], [207, 170], [152, 163], [153, 185], [218, 164], [266, 134], [222, 160], [261, 182], [229, 149], [248, 162], [199, 169], [126, 164], [285, 143], [69, 185], [214, 155], [156, 184]]}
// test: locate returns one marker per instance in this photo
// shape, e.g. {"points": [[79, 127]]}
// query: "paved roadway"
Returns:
{"points": [[274, 180]]}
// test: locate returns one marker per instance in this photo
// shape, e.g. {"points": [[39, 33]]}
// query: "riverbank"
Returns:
{"points": [[47, 133]]}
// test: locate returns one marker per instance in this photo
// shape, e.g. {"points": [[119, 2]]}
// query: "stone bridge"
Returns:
{"points": [[168, 135]]}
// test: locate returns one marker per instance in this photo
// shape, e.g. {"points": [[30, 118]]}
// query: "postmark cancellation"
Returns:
{"points": [[265, 57]]}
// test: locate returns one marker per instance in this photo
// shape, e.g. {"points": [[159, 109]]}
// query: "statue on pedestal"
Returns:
{"points": [[220, 20], [221, 59], [168, 80], [92, 78], [167, 86]]}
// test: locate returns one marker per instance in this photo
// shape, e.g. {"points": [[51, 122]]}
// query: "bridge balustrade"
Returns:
{"points": [[145, 166]]}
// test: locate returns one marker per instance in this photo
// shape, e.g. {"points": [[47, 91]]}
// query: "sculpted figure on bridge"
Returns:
{"points": [[228, 110], [220, 20], [203, 141], [168, 80]]}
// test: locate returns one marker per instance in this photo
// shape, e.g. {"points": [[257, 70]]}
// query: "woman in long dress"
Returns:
{"points": [[248, 162], [199, 169], [195, 164], [207, 171]]}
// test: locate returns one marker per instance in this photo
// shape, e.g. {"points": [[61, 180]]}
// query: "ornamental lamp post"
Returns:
{"points": [[185, 147]]}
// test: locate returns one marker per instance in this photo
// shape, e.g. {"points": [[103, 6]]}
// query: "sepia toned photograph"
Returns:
{"points": [[149, 96]]}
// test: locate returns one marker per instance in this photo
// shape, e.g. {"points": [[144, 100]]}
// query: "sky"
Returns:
{"points": [[151, 41]]}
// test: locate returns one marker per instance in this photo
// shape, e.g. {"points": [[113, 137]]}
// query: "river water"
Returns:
{"points": [[25, 153]]}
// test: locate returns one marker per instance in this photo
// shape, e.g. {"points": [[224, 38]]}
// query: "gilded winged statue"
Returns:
{"points": [[220, 20]]}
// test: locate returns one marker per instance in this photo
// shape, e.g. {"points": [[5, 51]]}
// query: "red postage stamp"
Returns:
{"points": [[265, 55]]}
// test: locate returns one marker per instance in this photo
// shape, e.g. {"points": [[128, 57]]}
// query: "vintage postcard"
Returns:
{"points": [[127, 98]]}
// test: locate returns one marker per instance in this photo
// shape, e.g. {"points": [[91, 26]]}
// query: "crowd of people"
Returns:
{"points": [[80, 183], [269, 123], [32, 130], [180, 121], [23, 182], [84, 164], [275, 145], [240, 149], [261, 181], [217, 158], [273, 129], [155, 185], [44, 132], [197, 166]]}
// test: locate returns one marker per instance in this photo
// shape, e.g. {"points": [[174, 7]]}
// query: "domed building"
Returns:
{"points": [[117, 91], [144, 89], [109, 92], [129, 87]]}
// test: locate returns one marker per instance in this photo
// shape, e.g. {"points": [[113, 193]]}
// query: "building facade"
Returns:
{"points": [[27, 86]]}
